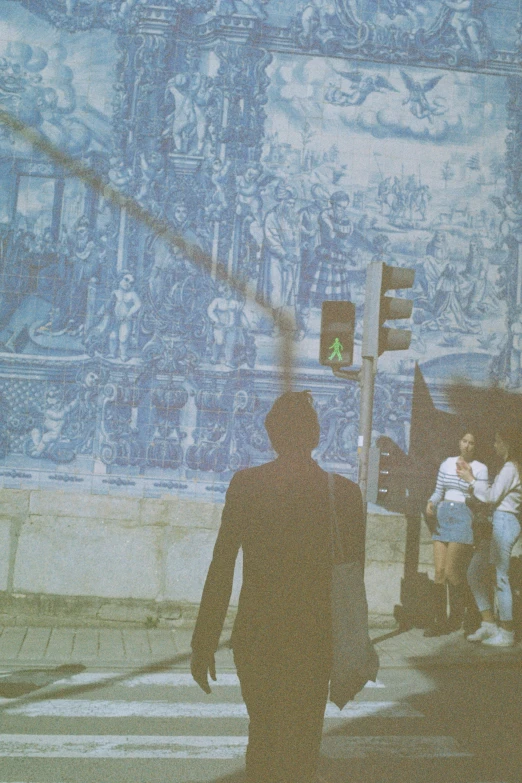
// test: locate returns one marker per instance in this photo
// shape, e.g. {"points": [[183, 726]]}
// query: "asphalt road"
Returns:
{"points": [[441, 725]]}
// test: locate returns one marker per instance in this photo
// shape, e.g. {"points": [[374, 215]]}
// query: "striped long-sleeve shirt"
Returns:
{"points": [[450, 487]]}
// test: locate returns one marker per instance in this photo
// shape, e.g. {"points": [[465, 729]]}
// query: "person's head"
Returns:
{"points": [[180, 212], [286, 194], [292, 424], [508, 444], [252, 173], [53, 396], [126, 281], [467, 445], [340, 202]]}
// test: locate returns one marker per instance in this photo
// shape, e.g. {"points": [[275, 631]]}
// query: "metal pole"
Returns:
{"points": [[367, 380]]}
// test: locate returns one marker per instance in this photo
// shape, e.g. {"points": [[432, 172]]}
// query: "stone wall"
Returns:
{"points": [[142, 552]]}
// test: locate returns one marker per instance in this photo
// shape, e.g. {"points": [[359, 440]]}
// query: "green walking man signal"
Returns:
{"points": [[337, 333], [336, 348]]}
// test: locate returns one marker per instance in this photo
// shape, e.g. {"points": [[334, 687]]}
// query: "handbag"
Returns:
{"points": [[354, 659], [481, 519]]}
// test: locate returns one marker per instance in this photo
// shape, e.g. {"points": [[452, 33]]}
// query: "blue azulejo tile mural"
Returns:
{"points": [[289, 144]]}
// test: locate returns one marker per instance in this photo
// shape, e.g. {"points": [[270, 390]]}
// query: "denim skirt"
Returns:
{"points": [[453, 523]]}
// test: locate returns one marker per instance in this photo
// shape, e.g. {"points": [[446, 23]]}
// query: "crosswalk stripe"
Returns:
{"points": [[403, 746], [166, 679], [213, 747], [92, 708]]}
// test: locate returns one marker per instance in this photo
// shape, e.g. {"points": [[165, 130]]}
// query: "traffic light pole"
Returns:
{"points": [[376, 339], [366, 378], [367, 381]]}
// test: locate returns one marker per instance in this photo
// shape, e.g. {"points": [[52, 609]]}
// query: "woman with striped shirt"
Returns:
{"points": [[453, 536], [505, 495]]}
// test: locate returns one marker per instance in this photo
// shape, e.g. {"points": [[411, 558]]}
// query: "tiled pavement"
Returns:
{"points": [[160, 648]]}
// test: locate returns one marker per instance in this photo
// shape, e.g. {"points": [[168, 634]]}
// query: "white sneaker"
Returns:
{"points": [[485, 631], [502, 638]]}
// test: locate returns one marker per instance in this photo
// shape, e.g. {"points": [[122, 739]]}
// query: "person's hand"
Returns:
{"points": [[200, 667], [464, 471], [430, 509]]}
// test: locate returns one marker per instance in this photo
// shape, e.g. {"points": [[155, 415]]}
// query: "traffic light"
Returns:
{"points": [[337, 334], [388, 476], [378, 308]]}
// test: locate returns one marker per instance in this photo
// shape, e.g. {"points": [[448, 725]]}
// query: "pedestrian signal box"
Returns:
{"points": [[389, 475], [337, 334]]}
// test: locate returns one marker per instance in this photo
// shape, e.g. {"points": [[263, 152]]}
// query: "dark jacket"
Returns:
{"points": [[279, 513]]}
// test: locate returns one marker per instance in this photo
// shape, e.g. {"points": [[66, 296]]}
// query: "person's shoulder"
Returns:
{"points": [[252, 476], [509, 468], [449, 463], [476, 465], [344, 481]]}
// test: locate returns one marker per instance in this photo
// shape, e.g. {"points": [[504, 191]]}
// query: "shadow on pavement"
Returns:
{"points": [[463, 727], [20, 683], [29, 680]]}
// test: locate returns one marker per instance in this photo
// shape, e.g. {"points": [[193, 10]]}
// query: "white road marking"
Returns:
{"points": [[124, 747], [164, 680], [93, 708], [419, 747], [223, 747]]}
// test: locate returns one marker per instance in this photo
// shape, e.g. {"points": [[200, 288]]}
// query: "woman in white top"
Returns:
{"points": [[506, 497], [452, 537]]}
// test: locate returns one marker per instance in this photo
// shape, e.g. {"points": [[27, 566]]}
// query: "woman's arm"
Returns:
{"points": [[504, 482], [438, 494]]}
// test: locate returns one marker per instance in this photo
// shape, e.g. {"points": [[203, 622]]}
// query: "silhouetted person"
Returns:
{"points": [[279, 514]]}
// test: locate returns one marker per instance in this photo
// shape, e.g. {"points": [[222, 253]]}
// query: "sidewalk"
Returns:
{"points": [[103, 648]]}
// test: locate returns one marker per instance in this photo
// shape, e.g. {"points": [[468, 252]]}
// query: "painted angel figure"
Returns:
{"points": [[54, 418], [464, 18], [250, 185], [361, 85], [419, 104], [117, 318], [218, 201], [188, 123], [151, 166]]}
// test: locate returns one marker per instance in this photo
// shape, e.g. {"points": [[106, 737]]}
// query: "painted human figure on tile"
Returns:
{"points": [[168, 266], [218, 201], [479, 294], [33, 290], [117, 319], [465, 19], [336, 255], [310, 238], [83, 266], [279, 281], [233, 344], [55, 414], [249, 198], [188, 123], [437, 255]]}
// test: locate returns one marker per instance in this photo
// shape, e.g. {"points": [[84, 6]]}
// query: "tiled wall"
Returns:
{"points": [[293, 143]]}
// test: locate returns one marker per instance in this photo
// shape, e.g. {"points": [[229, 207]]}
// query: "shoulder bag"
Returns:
{"points": [[354, 658], [480, 519]]}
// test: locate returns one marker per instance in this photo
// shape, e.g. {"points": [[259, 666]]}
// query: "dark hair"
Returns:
{"points": [[463, 430], [292, 423], [512, 437], [338, 196]]}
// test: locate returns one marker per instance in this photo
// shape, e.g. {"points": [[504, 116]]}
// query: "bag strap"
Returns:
{"points": [[335, 536]]}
